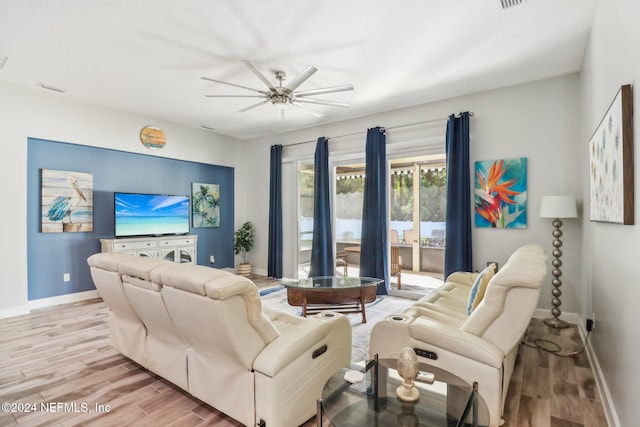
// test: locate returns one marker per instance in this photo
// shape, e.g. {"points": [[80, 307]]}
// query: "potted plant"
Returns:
{"points": [[243, 243]]}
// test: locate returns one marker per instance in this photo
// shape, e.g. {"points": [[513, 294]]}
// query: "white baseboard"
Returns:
{"points": [[607, 402], [260, 271], [62, 299], [567, 317], [14, 311], [601, 384]]}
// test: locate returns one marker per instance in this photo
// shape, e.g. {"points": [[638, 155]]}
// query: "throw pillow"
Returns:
{"points": [[480, 287]]}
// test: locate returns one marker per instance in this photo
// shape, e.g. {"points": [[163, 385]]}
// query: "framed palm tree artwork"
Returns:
{"points": [[500, 196], [205, 205]]}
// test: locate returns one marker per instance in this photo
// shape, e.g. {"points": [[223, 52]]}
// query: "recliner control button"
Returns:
{"points": [[426, 353]]}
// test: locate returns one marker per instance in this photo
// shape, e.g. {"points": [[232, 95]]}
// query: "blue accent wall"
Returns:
{"points": [[51, 255]]}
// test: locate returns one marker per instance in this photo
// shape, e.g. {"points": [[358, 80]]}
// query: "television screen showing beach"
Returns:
{"points": [[150, 214]]}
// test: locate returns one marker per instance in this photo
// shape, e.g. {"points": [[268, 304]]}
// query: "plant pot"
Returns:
{"points": [[244, 269]]}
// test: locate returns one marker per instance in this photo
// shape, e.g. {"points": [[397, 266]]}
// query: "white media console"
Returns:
{"points": [[181, 248]]}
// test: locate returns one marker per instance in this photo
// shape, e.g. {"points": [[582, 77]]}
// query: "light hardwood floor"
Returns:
{"points": [[61, 355]]}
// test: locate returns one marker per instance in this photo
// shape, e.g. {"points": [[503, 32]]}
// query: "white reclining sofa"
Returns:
{"points": [[206, 331], [471, 335]]}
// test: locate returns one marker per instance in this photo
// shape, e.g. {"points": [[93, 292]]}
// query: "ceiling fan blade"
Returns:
{"points": [[321, 91], [250, 107], [258, 73], [309, 109], [234, 85], [234, 96], [300, 78], [322, 102]]}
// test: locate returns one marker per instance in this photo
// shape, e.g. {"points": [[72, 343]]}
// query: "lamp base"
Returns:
{"points": [[556, 323]]}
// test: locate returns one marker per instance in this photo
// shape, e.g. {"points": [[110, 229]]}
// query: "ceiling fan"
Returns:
{"points": [[282, 96]]}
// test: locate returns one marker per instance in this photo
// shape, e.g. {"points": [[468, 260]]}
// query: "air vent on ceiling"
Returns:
{"points": [[510, 3]]}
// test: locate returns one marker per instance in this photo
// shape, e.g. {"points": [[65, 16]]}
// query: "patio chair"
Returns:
{"points": [[396, 264]]}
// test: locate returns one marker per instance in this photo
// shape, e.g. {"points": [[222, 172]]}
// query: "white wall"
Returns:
{"points": [[40, 114], [610, 267], [538, 120]]}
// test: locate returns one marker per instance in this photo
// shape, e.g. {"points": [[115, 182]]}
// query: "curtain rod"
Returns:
{"points": [[424, 122]]}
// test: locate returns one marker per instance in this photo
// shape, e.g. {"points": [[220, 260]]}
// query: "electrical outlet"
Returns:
{"points": [[589, 325], [66, 277], [212, 259]]}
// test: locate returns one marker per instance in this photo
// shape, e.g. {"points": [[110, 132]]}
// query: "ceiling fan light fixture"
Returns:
{"points": [[283, 97], [281, 102]]}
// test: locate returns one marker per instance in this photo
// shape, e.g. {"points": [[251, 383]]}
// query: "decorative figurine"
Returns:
{"points": [[408, 369], [408, 417]]}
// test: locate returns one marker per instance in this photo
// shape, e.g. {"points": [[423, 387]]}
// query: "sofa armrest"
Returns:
{"points": [[295, 341], [451, 338]]}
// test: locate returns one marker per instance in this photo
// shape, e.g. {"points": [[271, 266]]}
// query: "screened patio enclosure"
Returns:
{"points": [[417, 231]]}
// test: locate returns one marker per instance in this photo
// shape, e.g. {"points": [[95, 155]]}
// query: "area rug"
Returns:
{"points": [[384, 305]]}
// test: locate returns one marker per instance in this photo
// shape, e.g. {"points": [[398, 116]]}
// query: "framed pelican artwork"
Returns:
{"points": [[67, 201]]}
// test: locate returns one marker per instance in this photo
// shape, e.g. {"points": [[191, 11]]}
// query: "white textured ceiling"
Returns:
{"points": [[147, 56]]}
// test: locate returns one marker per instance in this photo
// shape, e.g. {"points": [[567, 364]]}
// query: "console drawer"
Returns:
{"points": [[127, 246], [181, 241]]}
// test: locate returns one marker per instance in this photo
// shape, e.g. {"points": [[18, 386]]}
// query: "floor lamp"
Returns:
{"points": [[557, 207]]}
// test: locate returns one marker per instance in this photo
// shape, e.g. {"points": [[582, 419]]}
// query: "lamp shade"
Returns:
{"points": [[558, 207]]}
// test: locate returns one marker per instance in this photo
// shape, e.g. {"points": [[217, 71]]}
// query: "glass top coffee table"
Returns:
{"points": [[341, 294], [447, 401]]}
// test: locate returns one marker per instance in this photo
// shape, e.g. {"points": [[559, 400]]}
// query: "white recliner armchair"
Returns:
{"points": [[206, 331], [480, 346]]}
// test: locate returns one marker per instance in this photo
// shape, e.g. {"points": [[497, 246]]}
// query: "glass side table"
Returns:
{"points": [[448, 401]]}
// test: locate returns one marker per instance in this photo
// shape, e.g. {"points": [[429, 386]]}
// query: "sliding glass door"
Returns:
{"points": [[349, 196], [305, 217], [417, 222]]}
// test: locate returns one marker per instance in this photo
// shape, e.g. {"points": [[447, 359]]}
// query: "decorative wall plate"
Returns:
{"points": [[152, 138]]}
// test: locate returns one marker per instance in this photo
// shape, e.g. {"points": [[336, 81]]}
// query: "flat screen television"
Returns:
{"points": [[150, 214]]}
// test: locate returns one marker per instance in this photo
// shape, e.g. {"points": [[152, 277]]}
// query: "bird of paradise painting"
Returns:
{"points": [[67, 201], [501, 193]]}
